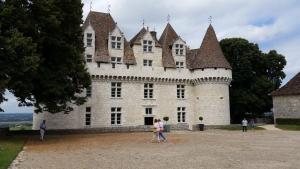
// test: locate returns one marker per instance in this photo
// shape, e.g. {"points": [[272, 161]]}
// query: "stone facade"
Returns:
{"points": [[286, 106], [206, 91]]}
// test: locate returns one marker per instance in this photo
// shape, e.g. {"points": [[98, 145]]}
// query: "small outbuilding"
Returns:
{"points": [[286, 102]]}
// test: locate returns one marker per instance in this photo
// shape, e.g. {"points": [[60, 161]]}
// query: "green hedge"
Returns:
{"points": [[288, 121]]}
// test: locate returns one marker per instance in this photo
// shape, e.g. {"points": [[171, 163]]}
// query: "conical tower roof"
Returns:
{"points": [[167, 38], [210, 54]]}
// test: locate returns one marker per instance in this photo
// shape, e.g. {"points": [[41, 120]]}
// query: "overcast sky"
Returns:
{"points": [[272, 24]]}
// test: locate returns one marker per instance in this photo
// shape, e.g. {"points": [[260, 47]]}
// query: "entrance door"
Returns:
{"points": [[148, 120]]}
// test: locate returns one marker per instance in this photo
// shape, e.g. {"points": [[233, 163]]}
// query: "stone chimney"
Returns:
{"points": [[153, 33]]}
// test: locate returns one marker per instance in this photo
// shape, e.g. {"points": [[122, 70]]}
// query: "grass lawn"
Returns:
{"points": [[238, 127], [9, 149], [288, 127]]}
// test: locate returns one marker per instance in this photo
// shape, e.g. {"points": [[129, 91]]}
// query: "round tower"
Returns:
{"points": [[212, 76]]}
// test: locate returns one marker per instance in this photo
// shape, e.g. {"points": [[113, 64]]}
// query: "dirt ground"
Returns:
{"points": [[211, 149]]}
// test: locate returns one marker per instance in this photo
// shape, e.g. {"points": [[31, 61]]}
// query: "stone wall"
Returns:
{"points": [[286, 106]]}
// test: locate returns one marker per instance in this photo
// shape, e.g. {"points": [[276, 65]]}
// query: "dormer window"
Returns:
{"points": [[178, 49], [147, 45], [89, 58], [115, 42], [115, 60], [89, 39], [147, 62], [179, 65]]}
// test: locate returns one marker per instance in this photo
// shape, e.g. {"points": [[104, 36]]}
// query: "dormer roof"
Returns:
{"points": [[167, 38], [136, 40], [210, 54], [103, 24]]}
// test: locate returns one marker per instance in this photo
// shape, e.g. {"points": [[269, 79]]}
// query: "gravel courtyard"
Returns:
{"points": [[211, 149]]}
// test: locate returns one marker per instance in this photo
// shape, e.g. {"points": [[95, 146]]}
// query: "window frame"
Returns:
{"points": [[148, 111], [148, 46], [116, 89], [147, 62], [88, 92], [181, 114], [116, 116], [148, 90], [179, 49], [89, 58], [116, 42], [180, 92], [89, 39], [179, 65]]}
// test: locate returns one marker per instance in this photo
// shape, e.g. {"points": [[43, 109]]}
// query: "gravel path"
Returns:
{"points": [[212, 149], [270, 127]]}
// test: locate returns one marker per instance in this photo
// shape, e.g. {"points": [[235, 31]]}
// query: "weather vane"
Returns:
{"points": [[108, 8], [91, 2], [210, 19], [143, 22], [168, 18]]}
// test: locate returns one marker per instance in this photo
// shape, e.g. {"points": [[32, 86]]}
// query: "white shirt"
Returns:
{"points": [[156, 125], [161, 125], [244, 122]]}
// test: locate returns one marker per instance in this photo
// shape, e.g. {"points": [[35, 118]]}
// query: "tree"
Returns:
{"points": [[44, 61], [255, 76]]}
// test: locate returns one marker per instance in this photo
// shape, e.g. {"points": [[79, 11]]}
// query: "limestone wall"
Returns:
{"points": [[286, 106]]}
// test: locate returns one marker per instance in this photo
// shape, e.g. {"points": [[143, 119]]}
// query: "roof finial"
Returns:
{"points": [[168, 18], [91, 2], [210, 19], [143, 23], [108, 8]]}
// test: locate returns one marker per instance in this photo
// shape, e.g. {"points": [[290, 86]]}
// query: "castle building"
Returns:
{"points": [[136, 81], [286, 100]]}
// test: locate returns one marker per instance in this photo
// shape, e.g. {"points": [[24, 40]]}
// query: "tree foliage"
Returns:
{"points": [[41, 50], [255, 75]]}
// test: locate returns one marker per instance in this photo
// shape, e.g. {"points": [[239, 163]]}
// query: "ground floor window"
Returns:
{"points": [[181, 114], [116, 115], [87, 119], [148, 120]]}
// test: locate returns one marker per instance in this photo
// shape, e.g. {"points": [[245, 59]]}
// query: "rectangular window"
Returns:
{"points": [[181, 114], [147, 62], [88, 58], [88, 116], [87, 119], [180, 91], [115, 42], [179, 65], [115, 60], [148, 90], [148, 111], [147, 45], [89, 92], [116, 115], [88, 109], [89, 39], [179, 49], [116, 88]]}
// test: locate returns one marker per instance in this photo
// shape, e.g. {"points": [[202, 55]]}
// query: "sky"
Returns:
{"points": [[269, 23]]}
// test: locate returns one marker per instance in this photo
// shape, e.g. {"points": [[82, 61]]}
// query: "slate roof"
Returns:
{"points": [[290, 88], [167, 38], [136, 40], [103, 24], [210, 54]]}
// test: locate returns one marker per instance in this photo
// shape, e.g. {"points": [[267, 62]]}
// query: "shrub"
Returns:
{"points": [[200, 118], [166, 118], [288, 121]]}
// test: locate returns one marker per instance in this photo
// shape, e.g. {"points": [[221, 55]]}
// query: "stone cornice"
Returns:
{"points": [[197, 81]]}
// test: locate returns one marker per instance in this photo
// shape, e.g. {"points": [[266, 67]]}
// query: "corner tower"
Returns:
{"points": [[212, 76]]}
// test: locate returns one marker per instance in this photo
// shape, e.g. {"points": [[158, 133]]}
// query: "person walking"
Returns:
{"points": [[42, 130], [244, 124], [160, 133]]}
